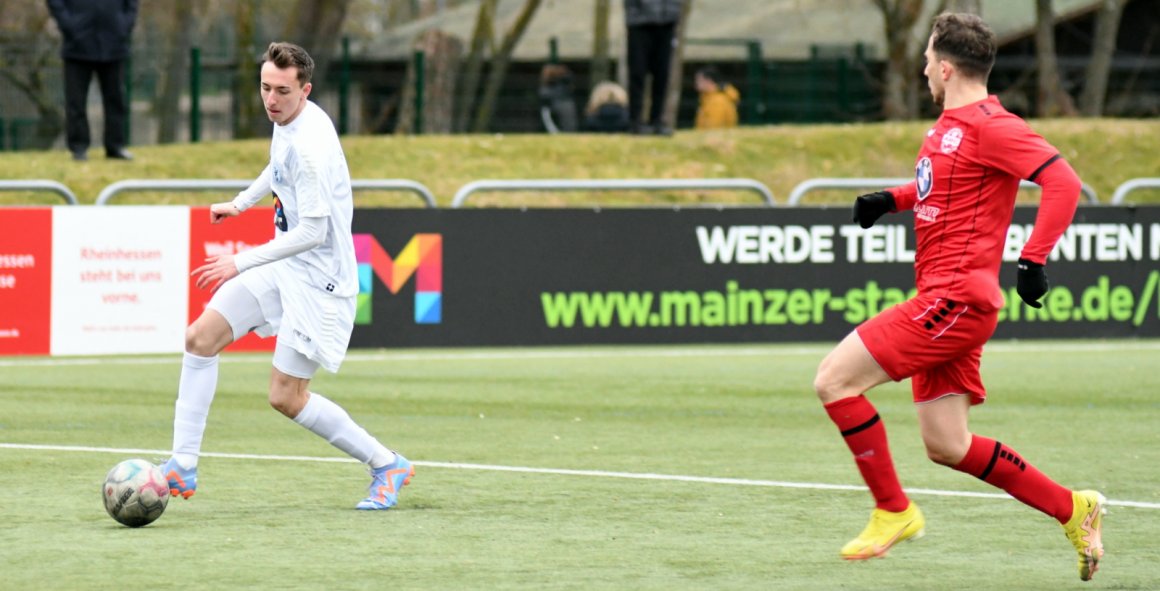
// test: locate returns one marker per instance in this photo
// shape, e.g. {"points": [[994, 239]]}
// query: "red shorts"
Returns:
{"points": [[936, 343]]}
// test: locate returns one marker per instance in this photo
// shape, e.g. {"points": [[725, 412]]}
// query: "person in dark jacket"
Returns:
{"points": [[607, 110], [96, 42], [652, 27]]}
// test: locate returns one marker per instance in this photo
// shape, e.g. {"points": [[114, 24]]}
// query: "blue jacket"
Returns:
{"points": [[652, 12], [94, 30]]}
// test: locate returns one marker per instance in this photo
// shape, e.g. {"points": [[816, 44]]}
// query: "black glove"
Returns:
{"points": [[1031, 282], [868, 208]]}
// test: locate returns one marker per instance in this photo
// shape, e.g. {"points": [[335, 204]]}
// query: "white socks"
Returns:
{"points": [[195, 391], [330, 422]]}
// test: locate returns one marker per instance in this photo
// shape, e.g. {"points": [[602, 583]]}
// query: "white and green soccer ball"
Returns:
{"points": [[135, 493]]}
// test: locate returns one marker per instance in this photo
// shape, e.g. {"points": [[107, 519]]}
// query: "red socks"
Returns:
{"points": [[865, 435], [986, 459], [998, 465]]}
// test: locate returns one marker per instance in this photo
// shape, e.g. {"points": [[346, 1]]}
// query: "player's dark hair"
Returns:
{"points": [[965, 41], [286, 55]]}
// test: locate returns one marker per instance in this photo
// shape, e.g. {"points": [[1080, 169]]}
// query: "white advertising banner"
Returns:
{"points": [[120, 279]]}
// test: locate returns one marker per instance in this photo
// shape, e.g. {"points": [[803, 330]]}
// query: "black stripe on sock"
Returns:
{"points": [[991, 464], [860, 428]]}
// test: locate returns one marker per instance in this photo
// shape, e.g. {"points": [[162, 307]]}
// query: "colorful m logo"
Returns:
{"points": [[422, 257]]}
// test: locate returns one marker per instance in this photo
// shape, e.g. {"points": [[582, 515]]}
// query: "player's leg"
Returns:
{"points": [[232, 311], [847, 372], [290, 394], [948, 440]]}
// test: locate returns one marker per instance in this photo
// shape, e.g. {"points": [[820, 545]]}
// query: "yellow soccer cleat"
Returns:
{"points": [[885, 529], [1084, 530]]}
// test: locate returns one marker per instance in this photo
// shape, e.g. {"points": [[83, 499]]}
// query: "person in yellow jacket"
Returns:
{"points": [[718, 107]]}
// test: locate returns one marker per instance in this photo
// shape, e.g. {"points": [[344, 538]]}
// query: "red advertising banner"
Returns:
{"points": [[25, 280], [253, 228]]}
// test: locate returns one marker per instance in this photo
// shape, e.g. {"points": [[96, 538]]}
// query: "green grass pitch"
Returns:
{"points": [[742, 497]]}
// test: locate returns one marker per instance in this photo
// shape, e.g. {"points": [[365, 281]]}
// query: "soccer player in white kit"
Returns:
{"points": [[300, 286]]}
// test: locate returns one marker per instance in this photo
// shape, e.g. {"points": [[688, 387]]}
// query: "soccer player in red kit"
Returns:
{"points": [[963, 196]]}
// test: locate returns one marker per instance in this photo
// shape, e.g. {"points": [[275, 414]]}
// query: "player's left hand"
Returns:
{"points": [[216, 271], [1031, 282], [868, 208], [218, 212]]}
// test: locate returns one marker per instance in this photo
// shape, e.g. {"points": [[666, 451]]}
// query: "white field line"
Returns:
{"points": [[554, 471], [582, 352]]}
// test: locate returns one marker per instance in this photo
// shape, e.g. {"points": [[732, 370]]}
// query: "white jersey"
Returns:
{"points": [[309, 178]]}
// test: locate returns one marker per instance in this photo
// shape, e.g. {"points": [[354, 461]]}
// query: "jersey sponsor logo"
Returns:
{"points": [[951, 140], [923, 177], [279, 214], [926, 213]]}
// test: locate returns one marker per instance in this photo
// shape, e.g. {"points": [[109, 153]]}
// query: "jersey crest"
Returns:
{"points": [[951, 140]]}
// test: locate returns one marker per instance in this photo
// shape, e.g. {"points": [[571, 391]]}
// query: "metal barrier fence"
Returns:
{"points": [[795, 196], [40, 185], [237, 185], [461, 196], [1134, 185], [734, 184]]}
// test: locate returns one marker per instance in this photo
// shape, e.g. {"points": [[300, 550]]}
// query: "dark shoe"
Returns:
{"points": [[118, 155], [662, 129], [80, 155], [642, 129]]}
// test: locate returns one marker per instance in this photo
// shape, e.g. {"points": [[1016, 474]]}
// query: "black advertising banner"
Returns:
{"points": [[434, 278]]}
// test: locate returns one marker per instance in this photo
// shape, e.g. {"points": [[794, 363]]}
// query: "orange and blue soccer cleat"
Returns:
{"points": [[182, 482], [1084, 530], [885, 529], [385, 485]]}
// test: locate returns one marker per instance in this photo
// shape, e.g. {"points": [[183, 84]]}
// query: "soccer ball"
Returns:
{"points": [[135, 493]]}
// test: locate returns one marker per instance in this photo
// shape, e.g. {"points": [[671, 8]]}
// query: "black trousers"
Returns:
{"points": [[78, 74], [650, 48]]}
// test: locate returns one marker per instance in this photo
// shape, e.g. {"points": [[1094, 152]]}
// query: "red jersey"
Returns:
{"points": [[963, 197]]}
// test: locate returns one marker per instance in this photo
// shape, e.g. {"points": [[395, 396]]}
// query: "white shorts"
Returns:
{"points": [[270, 300]]}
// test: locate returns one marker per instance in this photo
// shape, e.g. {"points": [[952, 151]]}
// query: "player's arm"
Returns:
{"points": [[313, 215], [1061, 189], [218, 212], [256, 191], [309, 233], [1019, 151], [871, 206]]}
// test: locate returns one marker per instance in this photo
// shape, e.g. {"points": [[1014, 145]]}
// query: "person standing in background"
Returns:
{"points": [[96, 42], [652, 31]]}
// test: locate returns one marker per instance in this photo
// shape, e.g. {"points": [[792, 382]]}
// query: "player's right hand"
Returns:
{"points": [[218, 212], [871, 206], [217, 270]]}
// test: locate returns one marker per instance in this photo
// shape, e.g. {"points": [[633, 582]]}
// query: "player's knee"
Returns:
{"points": [[198, 342], [942, 452], [287, 395], [827, 385], [208, 335], [284, 404]]}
